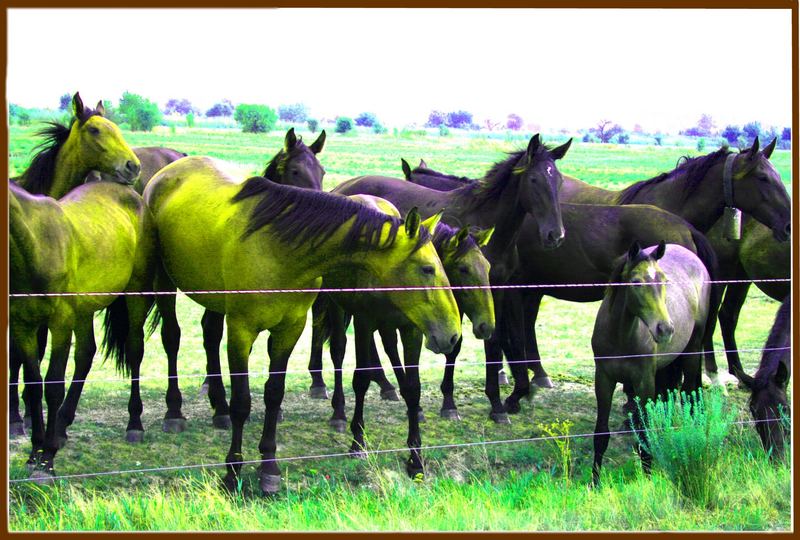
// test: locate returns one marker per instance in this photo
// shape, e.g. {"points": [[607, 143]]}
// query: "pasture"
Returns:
{"points": [[520, 485]]}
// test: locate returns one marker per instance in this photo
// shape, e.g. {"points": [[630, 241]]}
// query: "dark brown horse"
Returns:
{"points": [[768, 401], [525, 183]]}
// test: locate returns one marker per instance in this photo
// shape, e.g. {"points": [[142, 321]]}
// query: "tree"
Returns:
{"points": [[605, 131], [140, 113], [255, 118], [786, 139], [64, 102], [436, 119], [223, 108], [180, 106], [458, 119], [751, 130], [367, 119], [344, 124], [313, 123], [514, 122], [731, 134], [295, 112]]}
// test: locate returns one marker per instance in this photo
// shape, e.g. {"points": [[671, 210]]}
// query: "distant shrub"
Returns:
{"points": [[223, 108], [64, 102], [313, 124], [411, 133], [514, 122], [685, 436], [588, 138], [378, 129], [659, 139], [367, 119], [458, 119], [444, 131], [623, 138], [179, 106], [731, 133], [139, 112], [20, 115], [343, 124], [190, 120], [701, 144], [436, 119], [751, 130], [255, 118], [785, 141], [295, 112], [113, 114]]}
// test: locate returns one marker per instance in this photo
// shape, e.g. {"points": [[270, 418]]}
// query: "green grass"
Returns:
{"points": [[497, 487]]}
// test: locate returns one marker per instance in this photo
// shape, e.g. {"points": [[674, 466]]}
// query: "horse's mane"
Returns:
{"points": [[303, 216], [430, 172], [38, 177], [445, 232], [495, 180], [277, 165], [695, 170], [778, 339]]}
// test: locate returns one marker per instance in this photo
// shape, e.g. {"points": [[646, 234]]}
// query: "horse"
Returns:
{"points": [[64, 158], [152, 159], [93, 239], [464, 264], [215, 233], [694, 191], [295, 164], [526, 182], [657, 319], [768, 402], [599, 235]]}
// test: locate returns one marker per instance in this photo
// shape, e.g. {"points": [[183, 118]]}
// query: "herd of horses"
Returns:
{"points": [[91, 215]]}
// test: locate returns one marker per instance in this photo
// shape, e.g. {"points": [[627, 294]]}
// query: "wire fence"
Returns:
{"points": [[332, 455], [389, 289]]}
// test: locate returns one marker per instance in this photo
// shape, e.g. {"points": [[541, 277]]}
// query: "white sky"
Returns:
{"points": [[555, 67]]}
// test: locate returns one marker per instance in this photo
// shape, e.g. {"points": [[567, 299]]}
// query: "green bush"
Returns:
{"points": [[378, 129], [313, 124], [344, 124], [190, 120], [685, 436], [140, 113], [444, 131], [255, 118], [701, 144]]}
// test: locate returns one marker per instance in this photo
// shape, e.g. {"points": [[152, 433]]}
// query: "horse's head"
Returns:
{"points": [[770, 408], [539, 185], [297, 164], [646, 298], [759, 191], [98, 144], [466, 265], [412, 261]]}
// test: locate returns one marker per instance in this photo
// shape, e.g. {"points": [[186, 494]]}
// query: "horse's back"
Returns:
{"points": [[153, 159]]}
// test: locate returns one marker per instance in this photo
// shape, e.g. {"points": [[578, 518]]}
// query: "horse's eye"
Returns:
{"points": [[463, 269], [94, 131], [428, 270]]}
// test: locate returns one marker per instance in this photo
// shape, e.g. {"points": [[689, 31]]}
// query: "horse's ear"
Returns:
{"points": [[290, 140], [482, 237], [406, 168], [422, 164], [659, 252], [769, 148], [316, 147], [634, 250], [781, 376], [533, 145], [412, 222], [100, 109], [77, 106], [753, 152], [433, 221], [461, 235], [558, 153]]}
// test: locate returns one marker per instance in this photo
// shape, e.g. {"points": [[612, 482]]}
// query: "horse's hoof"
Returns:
{"points": [[62, 441], [415, 472], [42, 477], [230, 483], [512, 407], [16, 429], [203, 390], [318, 392], [502, 379], [450, 414], [223, 421], [338, 425], [500, 418], [357, 452], [420, 416], [134, 436], [173, 425], [542, 382], [270, 484], [390, 394], [28, 422]]}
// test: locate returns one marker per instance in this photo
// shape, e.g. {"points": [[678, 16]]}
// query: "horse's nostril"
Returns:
{"points": [[454, 339], [132, 167]]}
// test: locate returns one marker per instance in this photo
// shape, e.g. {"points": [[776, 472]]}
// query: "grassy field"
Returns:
{"points": [[513, 486]]}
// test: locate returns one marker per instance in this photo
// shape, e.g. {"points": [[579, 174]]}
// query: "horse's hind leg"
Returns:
{"points": [[338, 346], [41, 339], [376, 373], [54, 392], [174, 421], [24, 342], [530, 313], [16, 426], [604, 392], [138, 308], [449, 409], [213, 325], [389, 340], [735, 296], [85, 349]]}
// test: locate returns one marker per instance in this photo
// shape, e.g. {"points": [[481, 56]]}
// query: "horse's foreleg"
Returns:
{"points": [[604, 392], [530, 313], [376, 373], [138, 307], [389, 340], [23, 340], [16, 426], [212, 323], [54, 389], [240, 341], [735, 296], [281, 342], [361, 380], [494, 362], [449, 409], [85, 349], [410, 390], [338, 347], [41, 339], [318, 389], [513, 334], [645, 390]]}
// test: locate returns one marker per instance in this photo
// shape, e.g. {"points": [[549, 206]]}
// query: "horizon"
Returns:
{"points": [[555, 73]]}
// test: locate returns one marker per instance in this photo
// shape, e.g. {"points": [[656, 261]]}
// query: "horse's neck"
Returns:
{"points": [[624, 323], [69, 171], [702, 208], [505, 213]]}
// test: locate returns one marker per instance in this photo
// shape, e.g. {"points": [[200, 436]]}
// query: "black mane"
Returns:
{"points": [[306, 217], [430, 172], [445, 232], [695, 170], [495, 180], [779, 338]]}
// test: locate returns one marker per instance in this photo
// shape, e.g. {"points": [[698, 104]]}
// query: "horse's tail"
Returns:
{"points": [[115, 334], [706, 253], [321, 317], [154, 320]]}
